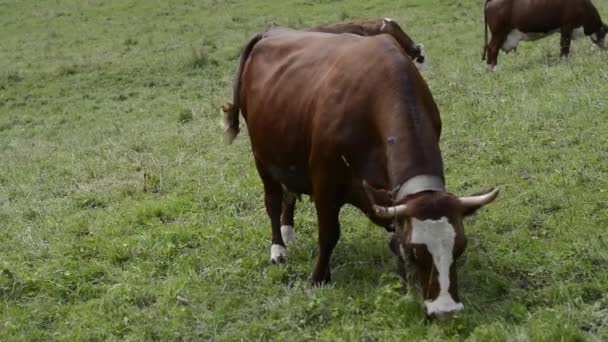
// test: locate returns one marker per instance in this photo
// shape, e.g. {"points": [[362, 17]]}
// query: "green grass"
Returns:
{"points": [[122, 215]]}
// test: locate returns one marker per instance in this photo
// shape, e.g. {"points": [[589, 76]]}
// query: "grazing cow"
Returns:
{"points": [[375, 27], [513, 20], [326, 114]]}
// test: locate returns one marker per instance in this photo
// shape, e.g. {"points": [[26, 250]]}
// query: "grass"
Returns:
{"points": [[122, 215]]}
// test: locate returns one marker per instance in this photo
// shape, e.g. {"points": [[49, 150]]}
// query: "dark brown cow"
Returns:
{"points": [[326, 112], [375, 27], [513, 20]]}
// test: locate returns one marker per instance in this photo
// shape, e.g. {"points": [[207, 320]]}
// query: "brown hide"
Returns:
{"points": [[325, 112], [375, 27], [316, 102], [539, 18]]}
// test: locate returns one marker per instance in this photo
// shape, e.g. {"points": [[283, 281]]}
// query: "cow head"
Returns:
{"points": [[430, 232], [415, 51], [600, 38]]}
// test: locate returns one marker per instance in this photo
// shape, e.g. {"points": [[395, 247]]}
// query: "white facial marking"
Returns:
{"points": [[288, 234], [578, 32], [443, 304], [388, 20], [278, 252], [490, 67], [438, 237]]}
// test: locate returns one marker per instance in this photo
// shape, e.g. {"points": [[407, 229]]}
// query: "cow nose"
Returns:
{"points": [[442, 315], [441, 312]]}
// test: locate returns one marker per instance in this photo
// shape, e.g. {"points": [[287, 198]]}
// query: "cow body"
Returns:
{"points": [[511, 21], [325, 112], [366, 28], [375, 27]]}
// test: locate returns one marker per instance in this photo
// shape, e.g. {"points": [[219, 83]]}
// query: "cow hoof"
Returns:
{"points": [[278, 254], [490, 68], [288, 234], [321, 282]]}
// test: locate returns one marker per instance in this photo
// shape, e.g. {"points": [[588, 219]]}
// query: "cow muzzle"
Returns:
{"points": [[420, 60], [442, 307]]}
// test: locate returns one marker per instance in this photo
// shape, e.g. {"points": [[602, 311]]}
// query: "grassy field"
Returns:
{"points": [[123, 216]]}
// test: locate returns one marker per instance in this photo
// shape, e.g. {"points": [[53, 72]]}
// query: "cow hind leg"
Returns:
{"points": [[566, 39], [287, 217], [273, 196]]}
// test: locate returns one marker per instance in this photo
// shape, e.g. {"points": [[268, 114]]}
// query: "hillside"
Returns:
{"points": [[123, 216]]}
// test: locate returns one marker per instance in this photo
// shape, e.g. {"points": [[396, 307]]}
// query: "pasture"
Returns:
{"points": [[123, 215]]}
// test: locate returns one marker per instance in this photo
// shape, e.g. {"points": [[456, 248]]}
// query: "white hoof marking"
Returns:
{"points": [[278, 254], [288, 234]]}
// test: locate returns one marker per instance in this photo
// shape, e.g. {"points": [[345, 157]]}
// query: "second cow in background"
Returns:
{"points": [[511, 21], [375, 27]]}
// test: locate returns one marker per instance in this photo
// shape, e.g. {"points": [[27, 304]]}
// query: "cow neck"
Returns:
{"points": [[418, 184], [414, 162]]}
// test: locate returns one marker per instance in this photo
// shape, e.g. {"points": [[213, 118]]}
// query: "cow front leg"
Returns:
{"points": [[566, 39], [328, 210], [273, 196], [493, 48], [395, 247], [287, 217]]}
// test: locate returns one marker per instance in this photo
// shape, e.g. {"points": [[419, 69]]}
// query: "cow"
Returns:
{"points": [[511, 21], [348, 119], [375, 27]]}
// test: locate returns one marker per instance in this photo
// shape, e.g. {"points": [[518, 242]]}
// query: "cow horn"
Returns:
{"points": [[390, 212], [479, 200]]}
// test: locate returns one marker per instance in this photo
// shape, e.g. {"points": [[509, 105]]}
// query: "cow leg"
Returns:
{"points": [[395, 247], [566, 39], [493, 48], [287, 217], [328, 210], [273, 196]]}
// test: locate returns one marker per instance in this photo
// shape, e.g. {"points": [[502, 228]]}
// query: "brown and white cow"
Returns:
{"points": [[511, 21], [374, 27], [327, 112]]}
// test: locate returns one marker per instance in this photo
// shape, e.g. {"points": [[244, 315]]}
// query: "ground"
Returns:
{"points": [[123, 216]]}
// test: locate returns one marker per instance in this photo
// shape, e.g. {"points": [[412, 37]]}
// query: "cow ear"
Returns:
{"points": [[381, 203], [472, 203], [377, 196]]}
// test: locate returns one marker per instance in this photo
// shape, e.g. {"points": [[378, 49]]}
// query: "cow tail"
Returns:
{"points": [[485, 26], [231, 110]]}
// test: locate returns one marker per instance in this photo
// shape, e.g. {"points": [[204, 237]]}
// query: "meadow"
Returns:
{"points": [[123, 216]]}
